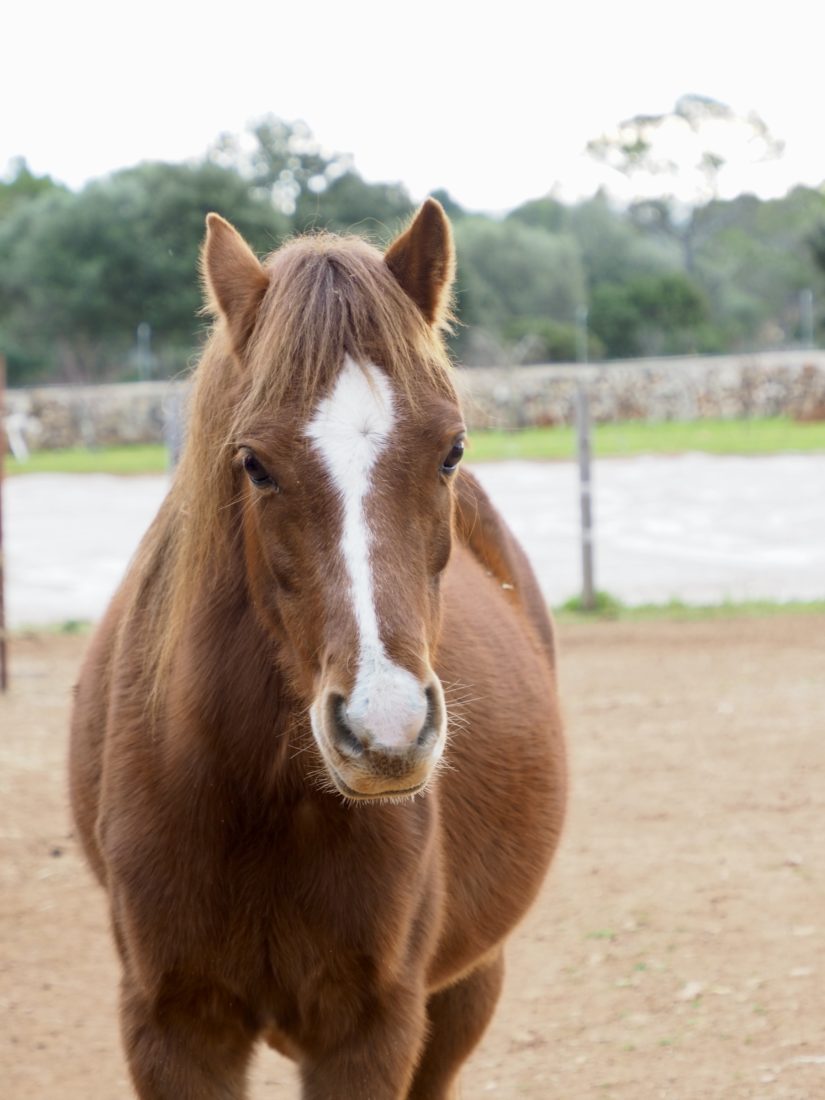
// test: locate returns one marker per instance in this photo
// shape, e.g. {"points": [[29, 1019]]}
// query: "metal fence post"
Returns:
{"points": [[583, 434], [584, 447]]}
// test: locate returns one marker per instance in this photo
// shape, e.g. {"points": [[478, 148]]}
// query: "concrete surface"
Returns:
{"points": [[693, 527]]}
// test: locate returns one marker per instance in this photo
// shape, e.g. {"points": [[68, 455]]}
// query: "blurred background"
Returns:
{"points": [[639, 215], [638, 198]]}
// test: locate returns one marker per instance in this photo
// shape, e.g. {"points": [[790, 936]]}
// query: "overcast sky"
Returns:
{"points": [[493, 103]]}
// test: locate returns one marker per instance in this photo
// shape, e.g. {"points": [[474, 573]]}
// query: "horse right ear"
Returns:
{"points": [[423, 262], [233, 278]]}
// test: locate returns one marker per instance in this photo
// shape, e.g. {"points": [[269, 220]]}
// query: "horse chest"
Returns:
{"points": [[322, 909]]}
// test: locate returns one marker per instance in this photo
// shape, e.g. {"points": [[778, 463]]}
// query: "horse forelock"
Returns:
{"points": [[330, 297]]}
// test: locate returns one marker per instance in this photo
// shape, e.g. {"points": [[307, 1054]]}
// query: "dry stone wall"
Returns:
{"points": [[768, 384], [788, 384], [54, 417]]}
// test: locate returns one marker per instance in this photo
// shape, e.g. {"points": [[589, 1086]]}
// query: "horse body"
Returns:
{"points": [[218, 756]]}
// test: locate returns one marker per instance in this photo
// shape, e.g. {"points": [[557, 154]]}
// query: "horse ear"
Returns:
{"points": [[234, 280], [423, 261]]}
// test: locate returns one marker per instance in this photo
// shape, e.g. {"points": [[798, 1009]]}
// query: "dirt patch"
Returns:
{"points": [[677, 951]]}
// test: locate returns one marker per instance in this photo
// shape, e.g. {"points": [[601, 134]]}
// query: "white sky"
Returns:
{"points": [[495, 103]]}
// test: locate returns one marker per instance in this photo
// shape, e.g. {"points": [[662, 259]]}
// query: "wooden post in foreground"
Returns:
{"points": [[585, 447], [4, 671]]}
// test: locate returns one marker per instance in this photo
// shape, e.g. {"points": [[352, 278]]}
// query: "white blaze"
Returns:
{"points": [[350, 429]]}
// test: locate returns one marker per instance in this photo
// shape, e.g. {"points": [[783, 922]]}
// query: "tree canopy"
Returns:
{"points": [[80, 271]]}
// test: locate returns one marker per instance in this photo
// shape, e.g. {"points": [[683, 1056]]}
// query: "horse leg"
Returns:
{"points": [[197, 1050], [458, 1017], [376, 1058]]}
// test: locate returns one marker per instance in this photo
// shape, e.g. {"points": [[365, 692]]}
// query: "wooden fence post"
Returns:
{"points": [[4, 671]]}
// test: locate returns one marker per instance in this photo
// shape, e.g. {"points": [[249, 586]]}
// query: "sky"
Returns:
{"points": [[494, 102]]}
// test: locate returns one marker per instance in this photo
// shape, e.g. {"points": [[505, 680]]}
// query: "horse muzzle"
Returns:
{"points": [[384, 739]]}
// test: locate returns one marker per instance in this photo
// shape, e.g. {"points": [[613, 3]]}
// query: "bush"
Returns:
{"points": [[543, 340]]}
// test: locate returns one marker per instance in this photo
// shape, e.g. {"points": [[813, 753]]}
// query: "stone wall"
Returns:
{"points": [[695, 388], [788, 383], [53, 417]]}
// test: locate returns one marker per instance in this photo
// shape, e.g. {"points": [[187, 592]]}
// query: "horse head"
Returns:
{"points": [[345, 438]]}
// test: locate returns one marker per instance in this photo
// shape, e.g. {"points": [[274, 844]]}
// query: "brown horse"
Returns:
{"points": [[316, 754]]}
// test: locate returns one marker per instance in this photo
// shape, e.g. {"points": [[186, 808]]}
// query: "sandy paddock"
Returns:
{"points": [[677, 951]]}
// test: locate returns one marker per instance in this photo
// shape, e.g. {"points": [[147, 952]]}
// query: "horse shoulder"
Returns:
{"points": [[502, 792]]}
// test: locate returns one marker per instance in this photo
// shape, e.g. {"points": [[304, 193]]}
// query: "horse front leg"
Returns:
{"points": [[375, 1059], [185, 1048], [458, 1017]]}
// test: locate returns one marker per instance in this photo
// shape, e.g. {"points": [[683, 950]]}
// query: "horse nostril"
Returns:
{"points": [[344, 737], [429, 730], [394, 720]]}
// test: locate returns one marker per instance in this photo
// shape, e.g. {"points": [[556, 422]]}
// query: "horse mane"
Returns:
{"points": [[328, 296]]}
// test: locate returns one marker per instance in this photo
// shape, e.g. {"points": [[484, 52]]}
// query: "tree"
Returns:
{"points": [[649, 315], [281, 160], [543, 340], [684, 154], [312, 186], [21, 186], [613, 247], [753, 262], [80, 271], [546, 213], [348, 204], [675, 163], [508, 270], [816, 243]]}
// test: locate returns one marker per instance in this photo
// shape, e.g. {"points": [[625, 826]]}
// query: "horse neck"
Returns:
{"points": [[229, 685]]}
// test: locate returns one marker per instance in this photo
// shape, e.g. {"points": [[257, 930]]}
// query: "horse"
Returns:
{"points": [[316, 759]]}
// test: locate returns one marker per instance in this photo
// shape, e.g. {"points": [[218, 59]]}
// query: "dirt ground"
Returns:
{"points": [[678, 949]]}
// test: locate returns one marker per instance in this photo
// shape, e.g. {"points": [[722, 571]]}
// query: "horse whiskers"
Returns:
{"points": [[461, 706], [458, 693], [457, 709], [323, 782], [462, 695], [303, 749], [449, 685], [444, 764], [300, 731]]}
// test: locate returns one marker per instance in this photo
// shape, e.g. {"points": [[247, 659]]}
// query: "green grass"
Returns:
{"points": [[137, 459], [721, 437], [637, 437], [609, 608]]}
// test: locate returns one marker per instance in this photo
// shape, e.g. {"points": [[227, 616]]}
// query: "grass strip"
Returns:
{"points": [[636, 437], [609, 608], [720, 437]]}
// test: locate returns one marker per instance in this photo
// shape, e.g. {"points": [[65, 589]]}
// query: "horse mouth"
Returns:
{"points": [[385, 794]]}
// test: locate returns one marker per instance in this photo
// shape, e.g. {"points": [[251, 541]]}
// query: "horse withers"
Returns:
{"points": [[316, 755]]}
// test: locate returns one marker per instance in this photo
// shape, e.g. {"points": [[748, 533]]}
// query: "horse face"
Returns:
{"points": [[347, 527], [346, 543]]}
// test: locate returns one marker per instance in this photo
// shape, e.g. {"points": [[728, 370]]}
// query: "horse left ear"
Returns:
{"points": [[423, 261], [234, 280]]}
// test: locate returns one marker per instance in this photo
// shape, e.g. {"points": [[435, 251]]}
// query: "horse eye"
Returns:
{"points": [[450, 463], [256, 472]]}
